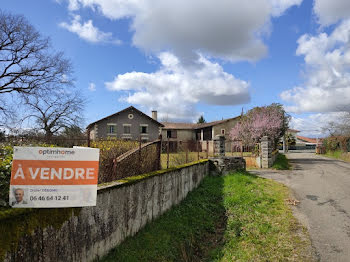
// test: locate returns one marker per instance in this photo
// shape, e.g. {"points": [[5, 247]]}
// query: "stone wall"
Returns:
{"points": [[88, 233], [226, 164]]}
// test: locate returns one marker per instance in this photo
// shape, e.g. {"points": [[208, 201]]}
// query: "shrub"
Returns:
{"points": [[109, 150], [335, 143], [6, 155]]}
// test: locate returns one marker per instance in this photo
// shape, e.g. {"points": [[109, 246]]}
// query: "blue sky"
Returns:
{"points": [[187, 58]]}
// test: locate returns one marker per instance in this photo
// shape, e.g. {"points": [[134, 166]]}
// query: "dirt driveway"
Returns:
{"points": [[322, 186]]}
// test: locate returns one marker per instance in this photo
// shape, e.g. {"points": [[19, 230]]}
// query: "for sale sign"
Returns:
{"points": [[54, 177]]}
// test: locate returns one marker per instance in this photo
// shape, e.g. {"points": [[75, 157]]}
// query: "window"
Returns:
{"points": [[111, 129], [171, 133], [144, 129], [223, 131], [127, 129], [130, 116]]}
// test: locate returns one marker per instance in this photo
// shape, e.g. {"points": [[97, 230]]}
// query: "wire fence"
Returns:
{"points": [[141, 160], [123, 158], [176, 153]]}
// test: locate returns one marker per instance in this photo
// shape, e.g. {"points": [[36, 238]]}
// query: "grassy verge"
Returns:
{"points": [[239, 217], [339, 155], [281, 163]]}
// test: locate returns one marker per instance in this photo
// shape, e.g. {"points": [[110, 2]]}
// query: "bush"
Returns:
{"points": [[6, 155], [109, 150], [335, 143]]}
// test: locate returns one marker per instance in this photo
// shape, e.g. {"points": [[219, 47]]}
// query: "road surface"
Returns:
{"points": [[322, 185]]}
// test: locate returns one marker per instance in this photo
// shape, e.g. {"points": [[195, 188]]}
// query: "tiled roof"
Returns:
{"points": [[308, 139], [214, 123], [171, 125], [128, 108], [293, 130]]}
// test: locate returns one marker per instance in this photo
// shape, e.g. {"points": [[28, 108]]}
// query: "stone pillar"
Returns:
{"points": [[266, 152], [284, 145], [219, 144]]}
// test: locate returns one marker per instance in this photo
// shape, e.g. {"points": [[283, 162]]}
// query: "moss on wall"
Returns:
{"points": [[135, 179], [16, 223]]}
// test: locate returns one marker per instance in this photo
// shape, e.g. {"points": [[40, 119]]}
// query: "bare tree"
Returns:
{"points": [[339, 127], [27, 61], [55, 111]]}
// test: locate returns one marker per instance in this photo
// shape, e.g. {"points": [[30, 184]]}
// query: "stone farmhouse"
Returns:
{"points": [[129, 124], [178, 133], [132, 124]]}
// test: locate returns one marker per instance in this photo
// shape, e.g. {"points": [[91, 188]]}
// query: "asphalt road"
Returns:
{"points": [[322, 186]]}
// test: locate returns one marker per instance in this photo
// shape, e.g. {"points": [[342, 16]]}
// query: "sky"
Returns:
{"points": [[190, 58]]}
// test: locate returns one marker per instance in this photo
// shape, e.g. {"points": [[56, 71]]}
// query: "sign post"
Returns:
{"points": [[45, 177]]}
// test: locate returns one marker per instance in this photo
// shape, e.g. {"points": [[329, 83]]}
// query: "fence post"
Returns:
{"points": [[88, 138], [159, 148], [214, 151], [198, 150], [114, 169], [207, 149], [241, 148], [186, 154], [140, 159], [167, 154]]}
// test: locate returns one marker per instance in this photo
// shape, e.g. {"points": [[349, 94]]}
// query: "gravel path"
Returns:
{"points": [[322, 185]]}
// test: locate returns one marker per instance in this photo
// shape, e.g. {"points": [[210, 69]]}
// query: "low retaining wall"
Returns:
{"points": [[88, 233], [226, 164], [253, 161]]}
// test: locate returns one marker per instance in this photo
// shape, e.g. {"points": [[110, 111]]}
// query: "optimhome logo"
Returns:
{"points": [[56, 152]]}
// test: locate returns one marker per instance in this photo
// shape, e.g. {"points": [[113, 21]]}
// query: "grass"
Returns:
{"points": [[239, 217], [281, 163], [176, 159], [339, 155]]}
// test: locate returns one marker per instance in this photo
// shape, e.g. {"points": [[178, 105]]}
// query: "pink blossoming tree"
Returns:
{"points": [[271, 121]]}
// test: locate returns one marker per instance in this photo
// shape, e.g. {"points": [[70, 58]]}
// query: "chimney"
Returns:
{"points": [[154, 115]]}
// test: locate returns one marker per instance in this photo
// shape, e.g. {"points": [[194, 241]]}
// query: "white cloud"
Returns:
{"points": [[312, 125], [89, 32], [92, 87], [280, 6], [174, 90], [327, 60], [231, 30], [331, 11]]}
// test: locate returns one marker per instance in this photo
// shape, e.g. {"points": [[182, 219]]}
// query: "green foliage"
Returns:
{"points": [[281, 163], [201, 120], [6, 155], [334, 143], [339, 155], [290, 139]]}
